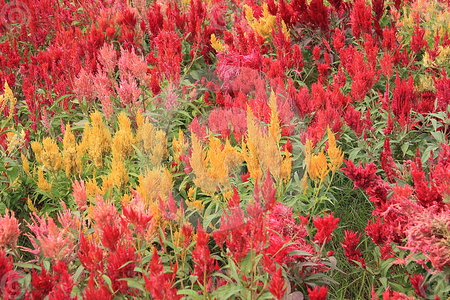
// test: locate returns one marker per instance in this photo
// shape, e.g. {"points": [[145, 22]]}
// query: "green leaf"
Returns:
{"points": [[47, 265], [247, 263], [133, 283], [266, 295], [438, 136], [384, 282], [299, 252], [233, 270], [191, 293], [226, 291], [28, 266], [108, 282], [78, 273], [2, 208]]}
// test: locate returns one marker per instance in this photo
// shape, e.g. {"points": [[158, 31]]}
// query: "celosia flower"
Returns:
{"points": [[152, 142], [419, 285], [403, 99], [112, 236], [137, 214], [48, 154], [102, 85], [428, 233], [97, 290], [378, 231], [361, 18], [169, 207], [325, 227], [350, 243], [216, 44], [277, 285], [130, 64], [121, 264], [213, 167], [362, 178], [96, 139], [6, 263], [227, 121], [50, 240], [42, 284], [265, 25], [80, 194], [91, 255], [71, 158], [128, 91], [159, 283], [318, 293], [9, 230], [392, 295], [334, 153], [64, 283], [104, 213], [84, 86], [426, 192], [108, 58], [11, 288], [43, 184], [285, 236], [204, 264]]}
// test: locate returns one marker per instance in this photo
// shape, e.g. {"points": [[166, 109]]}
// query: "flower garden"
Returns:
{"points": [[188, 149]]}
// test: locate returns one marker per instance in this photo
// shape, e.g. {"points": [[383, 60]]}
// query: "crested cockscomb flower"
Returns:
{"points": [[362, 177], [378, 232], [428, 233]]}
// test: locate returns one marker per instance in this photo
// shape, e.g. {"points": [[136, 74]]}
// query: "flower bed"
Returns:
{"points": [[224, 150]]}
